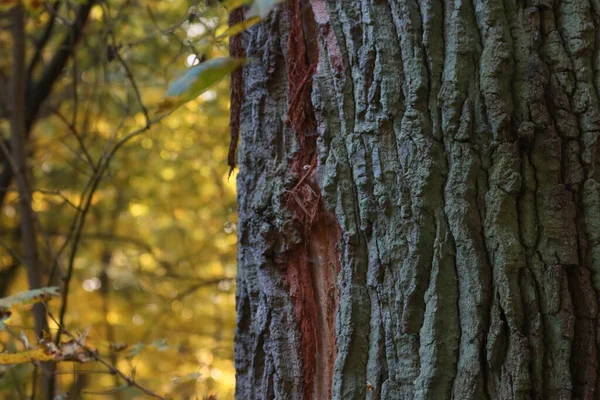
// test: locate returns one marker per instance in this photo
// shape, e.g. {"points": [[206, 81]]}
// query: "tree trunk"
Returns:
{"points": [[419, 201]]}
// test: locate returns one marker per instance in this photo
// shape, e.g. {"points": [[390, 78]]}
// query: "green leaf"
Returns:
{"points": [[29, 297], [200, 77], [262, 8]]}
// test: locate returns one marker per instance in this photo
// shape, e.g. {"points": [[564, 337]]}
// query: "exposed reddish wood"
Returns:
{"points": [[311, 272], [311, 265], [324, 266], [301, 65], [299, 280]]}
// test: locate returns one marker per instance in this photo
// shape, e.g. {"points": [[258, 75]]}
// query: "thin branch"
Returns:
{"points": [[114, 370], [134, 85], [44, 191], [73, 130], [12, 253], [40, 44], [75, 80], [38, 91], [102, 166], [6, 175], [200, 285], [128, 72], [76, 228]]}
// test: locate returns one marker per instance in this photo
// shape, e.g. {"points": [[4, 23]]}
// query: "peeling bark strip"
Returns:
{"points": [[312, 264], [236, 49], [300, 69], [301, 246], [311, 269], [454, 145]]}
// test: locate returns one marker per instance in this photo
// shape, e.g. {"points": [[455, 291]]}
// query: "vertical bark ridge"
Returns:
{"points": [[577, 41], [459, 103], [269, 361], [422, 173], [440, 331], [350, 365], [507, 353], [584, 363], [529, 107], [236, 49], [545, 157]]}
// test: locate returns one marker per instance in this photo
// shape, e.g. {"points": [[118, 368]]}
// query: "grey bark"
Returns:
{"points": [[458, 151]]}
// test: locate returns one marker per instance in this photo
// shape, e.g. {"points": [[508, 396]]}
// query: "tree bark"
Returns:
{"points": [[419, 201]]}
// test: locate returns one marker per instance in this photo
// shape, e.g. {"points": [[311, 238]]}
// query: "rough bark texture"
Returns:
{"points": [[419, 195]]}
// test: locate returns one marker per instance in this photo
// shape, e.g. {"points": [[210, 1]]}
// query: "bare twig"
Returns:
{"points": [[128, 72], [40, 44], [73, 130], [133, 85], [75, 80], [46, 192], [101, 167], [114, 370], [12, 253], [36, 92], [200, 285]]}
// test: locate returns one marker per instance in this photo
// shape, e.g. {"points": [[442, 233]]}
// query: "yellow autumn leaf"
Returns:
{"points": [[27, 356], [231, 5], [240, 27]]}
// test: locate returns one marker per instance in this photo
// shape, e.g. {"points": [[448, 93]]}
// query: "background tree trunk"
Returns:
{"points": [[419, 198]]}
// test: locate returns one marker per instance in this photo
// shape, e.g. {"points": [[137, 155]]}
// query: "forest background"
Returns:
{"points": [[132, 204]]}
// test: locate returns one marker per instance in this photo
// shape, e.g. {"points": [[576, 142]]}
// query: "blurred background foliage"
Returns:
{"points": [[153, 274]]}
